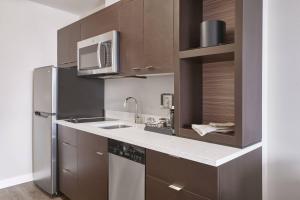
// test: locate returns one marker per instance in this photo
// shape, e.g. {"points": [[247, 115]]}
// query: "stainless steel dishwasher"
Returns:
{"points": [[126, 171]]}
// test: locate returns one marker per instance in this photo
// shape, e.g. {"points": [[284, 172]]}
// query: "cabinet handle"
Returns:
{"points": [[67, 144], [136, 68], [176, 187], [149, 67], [67, 171], [99, 153]]}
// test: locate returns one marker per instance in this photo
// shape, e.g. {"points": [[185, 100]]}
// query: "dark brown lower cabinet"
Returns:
{"points": [[92, 167], [83, 173], [239, 179], [67, 154], [83, 165], [159, 190]]}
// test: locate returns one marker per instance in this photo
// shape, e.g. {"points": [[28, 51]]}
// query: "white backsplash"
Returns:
{"points": [[146, 91]]}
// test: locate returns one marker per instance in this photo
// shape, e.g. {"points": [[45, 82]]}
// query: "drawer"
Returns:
{"points": [[67, 135], [159, 190], [93, 142], [68, 184], [197, 178], [67, 157]]}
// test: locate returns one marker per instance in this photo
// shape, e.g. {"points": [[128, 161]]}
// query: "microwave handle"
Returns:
{"points": [[98, 55]]}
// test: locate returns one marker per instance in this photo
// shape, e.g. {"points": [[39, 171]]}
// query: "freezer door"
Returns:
{"points": [[45, 152], [44, 89]]}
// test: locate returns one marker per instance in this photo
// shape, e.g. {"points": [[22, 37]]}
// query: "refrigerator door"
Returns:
{"points": [[45, 153], [44, 129], [44, 89]]}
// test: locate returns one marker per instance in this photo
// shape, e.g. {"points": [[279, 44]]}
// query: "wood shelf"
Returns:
{"points": [[227, 139], [226, 50]]}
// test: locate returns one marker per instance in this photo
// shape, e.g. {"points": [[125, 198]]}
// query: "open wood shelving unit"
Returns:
{"points": [[221, 83]]}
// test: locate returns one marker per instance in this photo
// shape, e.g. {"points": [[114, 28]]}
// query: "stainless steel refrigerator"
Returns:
{"points": [[58, 93], [44, 129]]}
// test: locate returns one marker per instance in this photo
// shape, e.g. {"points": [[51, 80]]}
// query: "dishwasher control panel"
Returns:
{"points": [[128, 151]]}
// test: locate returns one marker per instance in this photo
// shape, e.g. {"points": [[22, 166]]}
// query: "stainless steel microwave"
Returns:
{"points": [[99, 55]]}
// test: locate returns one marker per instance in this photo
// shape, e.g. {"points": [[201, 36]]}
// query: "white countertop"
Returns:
{"points": [[202, 152]]}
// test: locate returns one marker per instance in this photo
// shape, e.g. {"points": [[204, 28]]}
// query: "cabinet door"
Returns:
{"points": [[159, 190], [131, 36], [196, 178], [67, 154], [103, 21], [67, 39], [159, 35], [92, 167]]}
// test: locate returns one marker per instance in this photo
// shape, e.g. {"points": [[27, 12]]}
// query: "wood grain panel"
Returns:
{"points": [[218, 92], [196, 178], [190, 17], [190, 92], [159, 35], [221, 10], [241, 179], [157, 189], [101, 22], [131, 37]]}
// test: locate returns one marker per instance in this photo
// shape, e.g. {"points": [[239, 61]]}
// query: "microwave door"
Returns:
{"points": [[88, 59]]}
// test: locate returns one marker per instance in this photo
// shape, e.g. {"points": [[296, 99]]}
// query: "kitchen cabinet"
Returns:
{"points": [[157, 189], [159, 36], [67, 153], [174, 178], [147, 35], [67, 39], [83, 165], [191, 176], [131, 36], [101, 22], [92, 167]]}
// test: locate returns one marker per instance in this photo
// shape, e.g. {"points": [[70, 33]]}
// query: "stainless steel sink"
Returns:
{"points": [[88, 120], [115, 126]]}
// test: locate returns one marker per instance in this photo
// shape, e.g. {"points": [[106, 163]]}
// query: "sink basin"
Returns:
{"points": [[115, 126], [88, 120]]}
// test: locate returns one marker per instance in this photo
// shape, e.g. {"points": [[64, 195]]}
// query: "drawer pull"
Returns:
{"points": [[66, 144], [136, 69], [99, 153], [176, 187], [149, 67], [67, 171]]}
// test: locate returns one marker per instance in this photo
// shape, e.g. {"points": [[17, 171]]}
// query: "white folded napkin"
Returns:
{"points": [[203, 129]]}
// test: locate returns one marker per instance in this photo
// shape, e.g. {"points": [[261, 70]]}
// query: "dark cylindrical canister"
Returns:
{"points": [[212, 33]]}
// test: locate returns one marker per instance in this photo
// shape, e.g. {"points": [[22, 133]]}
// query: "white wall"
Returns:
{"points": [[283, 100], [28, 40], [146, 91]]}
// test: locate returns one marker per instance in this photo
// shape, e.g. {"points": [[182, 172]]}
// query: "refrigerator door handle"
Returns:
{"points": [[44, 114]]}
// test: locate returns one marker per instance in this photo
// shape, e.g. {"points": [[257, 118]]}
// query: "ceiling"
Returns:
{"points": [[77, 7]]}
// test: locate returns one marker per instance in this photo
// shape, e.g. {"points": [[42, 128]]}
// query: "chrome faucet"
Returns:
{"points": [[137, 118]]}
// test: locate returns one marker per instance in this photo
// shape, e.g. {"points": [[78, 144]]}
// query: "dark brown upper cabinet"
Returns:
{"points": [[101, 22], [67, 39], [147, 36], [131, 36], [92, 167], [159, 36]]}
